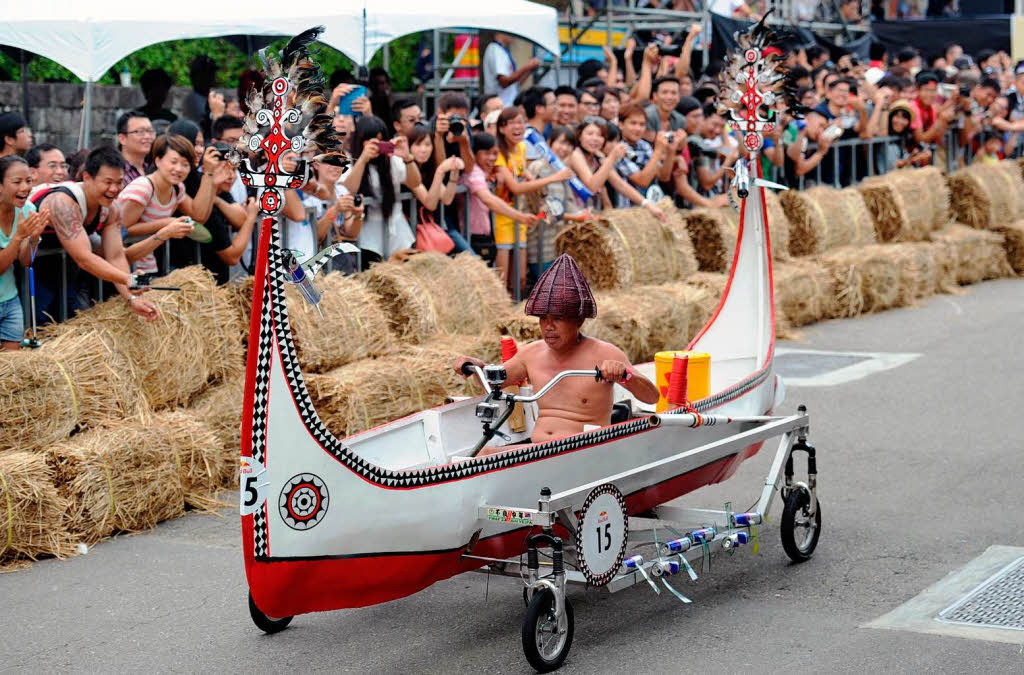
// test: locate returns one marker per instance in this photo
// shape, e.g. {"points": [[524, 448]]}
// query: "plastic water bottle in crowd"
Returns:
{"points": [[534, 138]]}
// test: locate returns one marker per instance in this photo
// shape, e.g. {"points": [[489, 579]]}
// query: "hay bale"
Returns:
{"points": [[647, 319], [202, 466], [515, 323], [31, 510], [106, 383], [195, 340], [432, 293], [803, 290], [778, 225], [370, 392], [627, 247], [974, 255], [864, 279], [714, 286], [115, 479], [987, 195], [714, 233], [1013, 243], [220, 409], [907, 204], [823, 218], [919, 270], [37, 401], [353, 325]]}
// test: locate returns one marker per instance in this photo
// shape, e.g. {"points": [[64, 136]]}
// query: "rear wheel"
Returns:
{"points": [[267, 624], [546, 640], [799, 529]]}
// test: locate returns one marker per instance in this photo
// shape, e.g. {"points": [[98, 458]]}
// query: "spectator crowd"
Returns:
{"points": [[497, 176]]}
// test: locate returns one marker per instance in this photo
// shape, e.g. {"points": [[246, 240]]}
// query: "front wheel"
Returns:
{"points": [[546, 640], [800, 530], [267, 624]]}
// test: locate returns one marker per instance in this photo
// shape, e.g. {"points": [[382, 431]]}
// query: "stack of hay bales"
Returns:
{"points": [[823, 218], [194, 341], [907, 204], [630, 247], [220, 409], [353, 326], [987, 195], [370, 392], [38, 401], [647, 319]]}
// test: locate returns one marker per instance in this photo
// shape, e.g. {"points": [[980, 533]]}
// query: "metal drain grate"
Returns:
{"points": [[996, 603]]}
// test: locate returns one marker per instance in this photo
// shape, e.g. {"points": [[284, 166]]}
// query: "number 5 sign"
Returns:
{"points": [[251, 486], [601, 536]]}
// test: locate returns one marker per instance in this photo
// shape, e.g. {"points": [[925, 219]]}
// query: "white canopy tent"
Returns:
{"points": [[89, 38]]}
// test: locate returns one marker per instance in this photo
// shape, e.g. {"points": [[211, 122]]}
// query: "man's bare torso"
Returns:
{"points": [[574, 401]]}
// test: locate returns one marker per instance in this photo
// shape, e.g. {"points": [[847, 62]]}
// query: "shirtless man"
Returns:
{"points": [[562, 300], [72, 227]]}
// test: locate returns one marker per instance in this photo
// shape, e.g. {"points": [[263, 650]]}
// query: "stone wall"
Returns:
{"points": [[55, 109]]}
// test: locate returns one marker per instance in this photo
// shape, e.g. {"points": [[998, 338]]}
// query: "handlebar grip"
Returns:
{"points": [[466, 368], [598, 377]]}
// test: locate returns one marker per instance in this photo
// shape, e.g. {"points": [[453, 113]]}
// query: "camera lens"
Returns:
{"points": [[357, 200], [457, 127]]}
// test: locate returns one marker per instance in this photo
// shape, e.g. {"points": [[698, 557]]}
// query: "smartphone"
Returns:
{"points": [[387, 148], [345, 103]]}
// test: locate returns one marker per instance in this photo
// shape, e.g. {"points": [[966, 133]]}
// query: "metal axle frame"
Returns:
{"points": [[676, 521]]}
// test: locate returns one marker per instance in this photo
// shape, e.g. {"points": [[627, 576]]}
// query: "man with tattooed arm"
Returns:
{"points": [[76, 212]]}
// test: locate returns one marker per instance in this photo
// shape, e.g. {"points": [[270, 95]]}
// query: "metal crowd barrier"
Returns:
{"points": [[861, 153]]}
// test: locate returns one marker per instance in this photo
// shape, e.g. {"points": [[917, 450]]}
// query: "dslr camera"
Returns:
{"points": [[457, 125]]}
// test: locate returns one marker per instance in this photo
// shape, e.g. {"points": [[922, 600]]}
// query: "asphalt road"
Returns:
{"points": [[920, 471]]}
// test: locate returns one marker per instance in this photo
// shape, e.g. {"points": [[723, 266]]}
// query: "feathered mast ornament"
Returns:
{"points": [[756, 86], [288, 117], [756, 90]]}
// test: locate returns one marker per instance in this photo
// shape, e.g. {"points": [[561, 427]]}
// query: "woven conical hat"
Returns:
{"points": [[562, 291]]}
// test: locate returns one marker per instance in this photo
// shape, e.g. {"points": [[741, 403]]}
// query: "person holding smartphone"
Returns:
{"points": [[381, 168]]}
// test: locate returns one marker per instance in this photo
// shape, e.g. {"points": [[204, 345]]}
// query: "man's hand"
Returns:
{"points": [[532, 64], [655, 209], [144, 308], [362, 106], [459, 360], [252, 208], [211, 160], [651, 54], [613, 371], [216, 103]]}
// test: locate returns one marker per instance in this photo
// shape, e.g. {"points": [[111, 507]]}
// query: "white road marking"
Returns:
{"points": [[874, 362]]}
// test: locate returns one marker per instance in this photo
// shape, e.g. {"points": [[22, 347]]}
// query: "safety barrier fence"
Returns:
{"points": [[851, 160]]}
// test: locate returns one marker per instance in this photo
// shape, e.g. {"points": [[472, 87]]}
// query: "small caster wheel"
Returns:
{"points": [[267, 624], [546, 641], [800, 530]]}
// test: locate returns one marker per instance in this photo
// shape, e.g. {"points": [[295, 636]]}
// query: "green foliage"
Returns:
{"points": [[174, 57]]}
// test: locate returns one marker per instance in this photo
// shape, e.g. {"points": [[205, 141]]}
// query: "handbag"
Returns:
{"points": [[430, 236]]}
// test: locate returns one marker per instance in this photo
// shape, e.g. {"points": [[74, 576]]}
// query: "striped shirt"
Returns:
{"points": [[142, 191]]}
